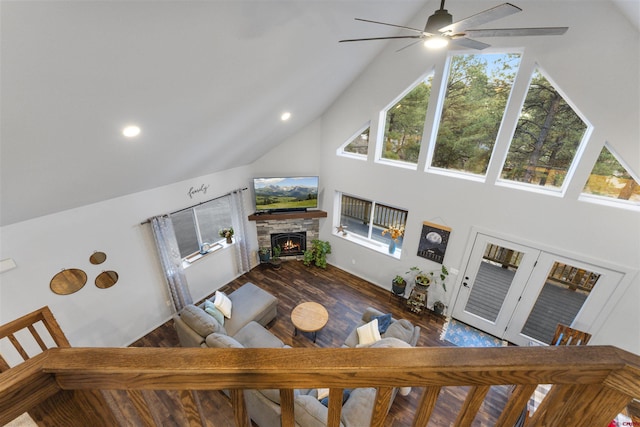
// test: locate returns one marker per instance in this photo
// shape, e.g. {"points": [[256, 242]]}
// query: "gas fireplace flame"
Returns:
{"points": [[290, 245]]}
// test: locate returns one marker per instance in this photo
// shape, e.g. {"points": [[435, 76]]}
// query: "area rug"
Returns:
{"points": [[462, 335]]}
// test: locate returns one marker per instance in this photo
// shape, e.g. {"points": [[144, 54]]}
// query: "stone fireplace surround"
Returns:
{"points": [[266, 224]]}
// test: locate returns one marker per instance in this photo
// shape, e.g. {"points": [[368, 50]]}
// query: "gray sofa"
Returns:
{"points": [[401, 329], [252, 309], [357, 408]]}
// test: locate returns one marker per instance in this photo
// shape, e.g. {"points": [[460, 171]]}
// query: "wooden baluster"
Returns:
{"points": [[18, 347], [515, 405], [426, 406], [287, 414], [37, 337], [54, 328], [191, 408], [4, 366], [240, 414], [335, 407], [471, 405], [141, 406], [381, 407]]}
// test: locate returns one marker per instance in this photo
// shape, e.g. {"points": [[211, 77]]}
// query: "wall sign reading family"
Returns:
{"points": [[433, 241], [193, 190]]}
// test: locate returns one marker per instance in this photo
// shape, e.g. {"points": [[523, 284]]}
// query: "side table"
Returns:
{"points": [[309, 317]]}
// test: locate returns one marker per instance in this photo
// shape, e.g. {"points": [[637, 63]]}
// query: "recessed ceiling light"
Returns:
{"points": [[285, 116], [131, 131]]}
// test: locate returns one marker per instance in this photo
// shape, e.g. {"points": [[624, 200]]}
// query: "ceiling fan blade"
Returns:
{"points": [[488, 15], [516, 32], [380, 38], [470, 43], [408, 46], [390, 25]]}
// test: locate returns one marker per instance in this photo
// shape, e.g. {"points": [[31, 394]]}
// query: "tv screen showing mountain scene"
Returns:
{"points": [[291, 193]]}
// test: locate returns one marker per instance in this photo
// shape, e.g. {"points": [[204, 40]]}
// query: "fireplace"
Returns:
{"points": [[292, 243]]}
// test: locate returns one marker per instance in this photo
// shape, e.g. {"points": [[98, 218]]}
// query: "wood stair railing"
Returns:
{"points": [[592, 384]]}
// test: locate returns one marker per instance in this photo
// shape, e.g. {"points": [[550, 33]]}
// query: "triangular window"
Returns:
{"points": [[611, 180], [358, 145], [546, 140], [404, 124]]}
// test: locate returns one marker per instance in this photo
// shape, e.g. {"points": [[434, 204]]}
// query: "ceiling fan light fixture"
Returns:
{"points": [[436, 42]]}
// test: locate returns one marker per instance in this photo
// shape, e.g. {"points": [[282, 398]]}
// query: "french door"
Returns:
{"points": [[520, 293]]}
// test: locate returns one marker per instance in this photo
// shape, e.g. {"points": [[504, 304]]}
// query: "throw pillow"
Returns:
{"points": [[322, 393], [199, 321], [222, 341], [223, 303], [368, 333], [213, 311], [383, 322], [402, 329], [345, 396]]}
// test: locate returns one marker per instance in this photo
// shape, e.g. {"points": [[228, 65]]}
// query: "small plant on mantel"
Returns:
{"points": [[317, 254]]}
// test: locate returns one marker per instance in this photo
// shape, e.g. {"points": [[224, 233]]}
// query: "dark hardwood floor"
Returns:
{"points": [[345, 296]]}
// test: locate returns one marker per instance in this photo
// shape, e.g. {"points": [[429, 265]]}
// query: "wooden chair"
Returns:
{"points": [[568, 336], [564, 335]]}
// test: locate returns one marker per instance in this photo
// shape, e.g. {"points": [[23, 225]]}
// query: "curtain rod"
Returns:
{"points": [[148, 220]]}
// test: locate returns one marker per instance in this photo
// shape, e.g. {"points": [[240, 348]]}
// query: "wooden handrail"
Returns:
{"points": [[592, 382]]}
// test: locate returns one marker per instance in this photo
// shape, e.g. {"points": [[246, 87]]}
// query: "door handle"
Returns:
{"points": [[465, 284]]}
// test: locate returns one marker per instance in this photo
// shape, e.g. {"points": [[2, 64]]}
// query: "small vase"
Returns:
{"points": [[229, 240], [392, 246]]}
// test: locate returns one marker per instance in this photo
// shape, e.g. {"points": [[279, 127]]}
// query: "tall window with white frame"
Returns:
{"points": [[547, 138], [367, 219], [201, 224], [477, 92]]}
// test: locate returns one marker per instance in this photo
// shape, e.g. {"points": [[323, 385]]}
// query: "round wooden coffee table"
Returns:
{"points": [[309, 317]]}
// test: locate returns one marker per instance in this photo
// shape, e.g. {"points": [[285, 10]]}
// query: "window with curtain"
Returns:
{"points": [[201, 224]]}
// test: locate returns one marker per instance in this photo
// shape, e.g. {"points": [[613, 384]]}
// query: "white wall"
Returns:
{"points": [[138, 302], [600, 78]]}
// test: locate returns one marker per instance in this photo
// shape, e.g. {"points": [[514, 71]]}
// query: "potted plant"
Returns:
{"points": [[398, 285], [419, 277], [440, 276], [395, 232], [276, 263], [317, 253], [264, 254], [425, 279], [438, 308], [227, 233]]}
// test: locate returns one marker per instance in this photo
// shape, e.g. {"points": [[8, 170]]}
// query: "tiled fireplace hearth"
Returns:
{"points": [[286, 228]]}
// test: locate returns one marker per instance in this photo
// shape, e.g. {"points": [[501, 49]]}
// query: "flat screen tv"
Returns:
{"points": [[281, 194]]}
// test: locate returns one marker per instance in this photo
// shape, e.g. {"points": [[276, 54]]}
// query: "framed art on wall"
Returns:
{"points": [[433, 241]]}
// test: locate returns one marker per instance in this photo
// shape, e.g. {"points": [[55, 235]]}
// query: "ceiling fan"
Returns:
{"points": [[440, 28]]}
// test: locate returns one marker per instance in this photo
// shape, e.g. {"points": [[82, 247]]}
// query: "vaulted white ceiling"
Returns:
{"points": [[206, 81]]}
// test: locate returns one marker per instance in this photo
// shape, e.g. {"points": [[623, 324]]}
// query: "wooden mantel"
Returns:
{"points": [[287, 215]]}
